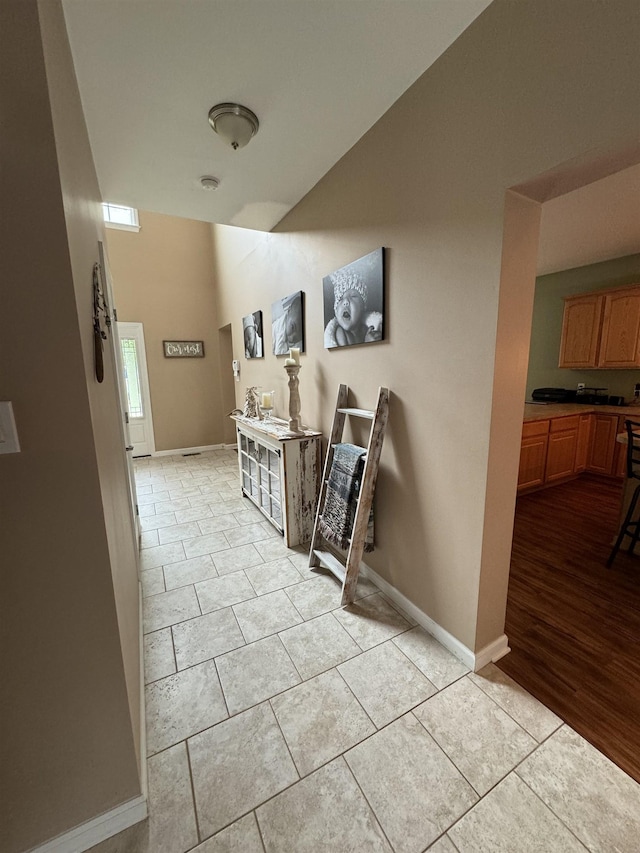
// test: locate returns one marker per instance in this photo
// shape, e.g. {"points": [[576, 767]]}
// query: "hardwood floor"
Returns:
{"points": [[574, 625]]}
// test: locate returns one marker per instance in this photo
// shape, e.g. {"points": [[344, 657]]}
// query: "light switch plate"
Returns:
{"points": [[8, 433]]}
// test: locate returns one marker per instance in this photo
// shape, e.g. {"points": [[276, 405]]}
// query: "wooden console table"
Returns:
{"points": [[280, 474]]}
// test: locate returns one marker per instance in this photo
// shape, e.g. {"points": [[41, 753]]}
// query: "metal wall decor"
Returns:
{"points": [[100, 306]]}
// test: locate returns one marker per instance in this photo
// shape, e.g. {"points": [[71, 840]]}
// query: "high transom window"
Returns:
{"points": [[119, 216]]}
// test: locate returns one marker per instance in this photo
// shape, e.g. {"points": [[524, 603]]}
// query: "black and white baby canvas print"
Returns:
{"points": [[354, 302], [252, 332], [287, 324]]}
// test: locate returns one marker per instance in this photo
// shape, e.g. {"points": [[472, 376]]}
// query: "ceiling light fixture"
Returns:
{"points": [[234, 124], [209, 183]]}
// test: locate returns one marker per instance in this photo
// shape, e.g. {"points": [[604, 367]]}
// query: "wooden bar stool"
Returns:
{"points": [[629, 526]]}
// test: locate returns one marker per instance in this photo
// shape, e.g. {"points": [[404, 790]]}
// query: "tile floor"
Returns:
{"points": [[278, 722]]}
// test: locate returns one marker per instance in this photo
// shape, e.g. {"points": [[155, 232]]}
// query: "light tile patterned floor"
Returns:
{"points": [[278, 722]]}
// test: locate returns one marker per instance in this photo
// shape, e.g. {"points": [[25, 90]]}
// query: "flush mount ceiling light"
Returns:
{"points": [[208, 183], [234, 124]]}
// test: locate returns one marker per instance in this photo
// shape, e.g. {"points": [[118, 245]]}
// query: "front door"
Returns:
{"points": [[134, 363]]}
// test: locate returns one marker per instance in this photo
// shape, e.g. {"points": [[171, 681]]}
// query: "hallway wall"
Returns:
{"points": [[69, 597], [163, 278], [428, 182]]}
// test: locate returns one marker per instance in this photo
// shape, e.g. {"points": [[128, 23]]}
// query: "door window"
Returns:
{"points": [[132, 377]]}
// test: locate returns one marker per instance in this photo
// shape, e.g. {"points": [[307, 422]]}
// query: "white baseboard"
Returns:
{"points": [[122, 817], [473, 660], [182, 450], [98, 829], [493, 652]]}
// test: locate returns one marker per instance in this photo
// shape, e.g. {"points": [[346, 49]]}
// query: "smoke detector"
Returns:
{"points": [[208, 183]]}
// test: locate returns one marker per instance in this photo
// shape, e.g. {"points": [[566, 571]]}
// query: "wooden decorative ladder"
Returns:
{"points": [[347, 572]]}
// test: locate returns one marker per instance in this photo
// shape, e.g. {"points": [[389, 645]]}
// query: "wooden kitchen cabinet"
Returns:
{"points": [[620, 338], [601, 329], [604, 429], [533, 454], [581, 325], [582, 447], [562, 446], [620, 453]]}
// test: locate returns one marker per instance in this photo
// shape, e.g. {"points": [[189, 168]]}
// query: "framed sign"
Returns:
{"points": [[183, 349]]}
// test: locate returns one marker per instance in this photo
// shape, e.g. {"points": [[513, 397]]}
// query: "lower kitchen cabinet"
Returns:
{"points": [[533, 454], [280, 474], [604, 429], [620, 453], [582, 448], [561, 450]]}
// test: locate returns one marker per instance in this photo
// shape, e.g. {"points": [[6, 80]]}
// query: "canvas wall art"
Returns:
{"points": [[287, 323], [252, 332], [354, 302]]}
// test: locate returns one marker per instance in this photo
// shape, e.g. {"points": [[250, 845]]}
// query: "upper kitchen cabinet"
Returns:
{"points": [[620, 339], [581, 325], [602, 329]]}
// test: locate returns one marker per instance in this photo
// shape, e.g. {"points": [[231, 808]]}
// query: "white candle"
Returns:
{"points": [[289, 362], [267, 400], [294, 353]]}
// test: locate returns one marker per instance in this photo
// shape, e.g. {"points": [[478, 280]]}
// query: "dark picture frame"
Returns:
{"points": [[287, 323], [354, 302], [252, 333]]}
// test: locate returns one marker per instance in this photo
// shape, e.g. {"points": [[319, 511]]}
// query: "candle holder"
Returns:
{"points": [[294, 396], [266, 404]]}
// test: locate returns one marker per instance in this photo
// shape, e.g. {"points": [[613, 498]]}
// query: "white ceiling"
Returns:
{"points": [[318, 74], [595, 223]]}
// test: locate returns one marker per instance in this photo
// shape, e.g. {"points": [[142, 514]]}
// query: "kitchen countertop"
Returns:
{"points": [[537, 412]]}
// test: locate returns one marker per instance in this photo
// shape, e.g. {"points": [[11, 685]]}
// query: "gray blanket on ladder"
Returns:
{"points": [[343, 487]]}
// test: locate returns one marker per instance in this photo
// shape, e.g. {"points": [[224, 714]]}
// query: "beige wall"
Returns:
{"points": [[69, 724], [163, 278], [84, 222], [428, 182]]}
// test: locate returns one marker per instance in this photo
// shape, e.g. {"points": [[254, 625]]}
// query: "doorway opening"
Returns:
{"points": [[227, 384], [572, 624]]}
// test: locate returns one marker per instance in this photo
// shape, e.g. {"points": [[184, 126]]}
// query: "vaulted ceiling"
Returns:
{"points": [[317, 73]]}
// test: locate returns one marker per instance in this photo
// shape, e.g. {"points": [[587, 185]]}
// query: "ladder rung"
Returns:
{"points": [[328, 561], [358, 413]]}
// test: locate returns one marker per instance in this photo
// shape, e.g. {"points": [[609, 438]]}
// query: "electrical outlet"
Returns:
{"points": [[580, 386]]}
